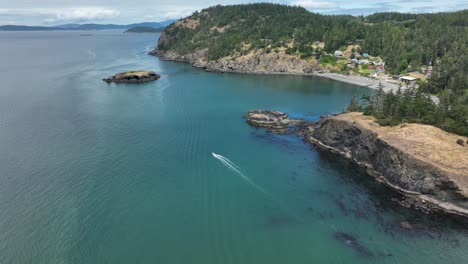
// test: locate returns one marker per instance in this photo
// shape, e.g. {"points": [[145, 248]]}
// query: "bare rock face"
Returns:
{"points": [[261, 63], [257, 62]]}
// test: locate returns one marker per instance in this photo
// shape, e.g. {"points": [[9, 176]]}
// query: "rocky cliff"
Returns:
{"points": [[258, 61], [422, 162]]}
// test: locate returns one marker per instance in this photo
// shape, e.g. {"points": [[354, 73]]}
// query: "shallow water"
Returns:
{"points": [[124, 173]]}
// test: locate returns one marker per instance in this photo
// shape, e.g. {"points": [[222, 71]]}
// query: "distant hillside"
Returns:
{"points": [[26, 28], [161, 24], [144, 30], [404, 41]]}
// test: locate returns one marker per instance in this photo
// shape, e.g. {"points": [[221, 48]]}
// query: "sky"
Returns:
{"points": [[54, 12]]}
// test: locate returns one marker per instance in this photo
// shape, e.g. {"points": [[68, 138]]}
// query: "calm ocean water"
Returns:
{"points": [[98, 173]]}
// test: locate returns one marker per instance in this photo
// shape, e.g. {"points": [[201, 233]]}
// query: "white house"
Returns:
{"points": [[338, 53], [408, 80]]}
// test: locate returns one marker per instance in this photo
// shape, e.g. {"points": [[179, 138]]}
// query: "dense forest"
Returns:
{"points": [[404, 41], [415, 106]]}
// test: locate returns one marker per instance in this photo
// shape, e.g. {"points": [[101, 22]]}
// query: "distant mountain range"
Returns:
{"points": [[161, 24]]}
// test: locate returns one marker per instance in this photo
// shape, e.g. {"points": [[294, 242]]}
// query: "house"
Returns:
{"points": [[408, 80], [365, 55], [354, 61], [363, 61], [338, 53], [378, 63]]}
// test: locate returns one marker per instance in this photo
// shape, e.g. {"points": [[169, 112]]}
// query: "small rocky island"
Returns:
{"points": [[133, 77], [424, 163]]}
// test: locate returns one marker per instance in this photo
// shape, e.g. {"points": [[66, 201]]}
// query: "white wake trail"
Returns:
{"points": [[231, 165]]}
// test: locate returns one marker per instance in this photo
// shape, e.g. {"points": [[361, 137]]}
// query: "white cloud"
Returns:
{"points": [[47, 12], [61, 15], [165, 13], [82, 14], [314, 5]]}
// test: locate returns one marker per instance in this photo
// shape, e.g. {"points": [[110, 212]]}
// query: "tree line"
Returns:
{"points": [[406, 42], [413, 105]]}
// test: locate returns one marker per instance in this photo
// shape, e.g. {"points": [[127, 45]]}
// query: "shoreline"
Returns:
{"points": [[359, 80], [351, 79], [390, 155], [419, 198]]}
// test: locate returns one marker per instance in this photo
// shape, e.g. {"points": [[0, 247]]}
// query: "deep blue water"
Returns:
{"points": [[124, 173]]}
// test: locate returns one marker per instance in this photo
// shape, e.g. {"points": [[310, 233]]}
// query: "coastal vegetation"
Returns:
{"points": [[415, 106], [404, 41], [433, 45]]}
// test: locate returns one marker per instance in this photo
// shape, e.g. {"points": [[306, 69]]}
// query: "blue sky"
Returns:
{"points": [[52, 12]]}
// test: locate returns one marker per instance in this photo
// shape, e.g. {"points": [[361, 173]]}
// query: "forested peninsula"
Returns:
{"points": [[422, 56]]}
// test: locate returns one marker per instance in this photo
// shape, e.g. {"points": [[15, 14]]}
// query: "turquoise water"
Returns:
{"points": [[124, 173]]}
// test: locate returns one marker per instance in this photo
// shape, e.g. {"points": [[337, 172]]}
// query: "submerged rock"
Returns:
{"points": [[352, 242], [405, 225], [133, 77]]}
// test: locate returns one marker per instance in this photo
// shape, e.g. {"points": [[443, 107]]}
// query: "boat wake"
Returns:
{"points": [[232, 166]]}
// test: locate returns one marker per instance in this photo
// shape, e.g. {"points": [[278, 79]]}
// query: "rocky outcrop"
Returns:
{"points": [[276, 122], [422, 162], [133, 77]]}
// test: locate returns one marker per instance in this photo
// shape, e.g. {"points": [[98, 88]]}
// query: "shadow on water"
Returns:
{"points": [[361, 198], [285, 142], [370, 200]]}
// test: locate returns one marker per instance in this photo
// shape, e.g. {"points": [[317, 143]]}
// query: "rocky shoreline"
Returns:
{"points": [[430, 182], [260, 63]]}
